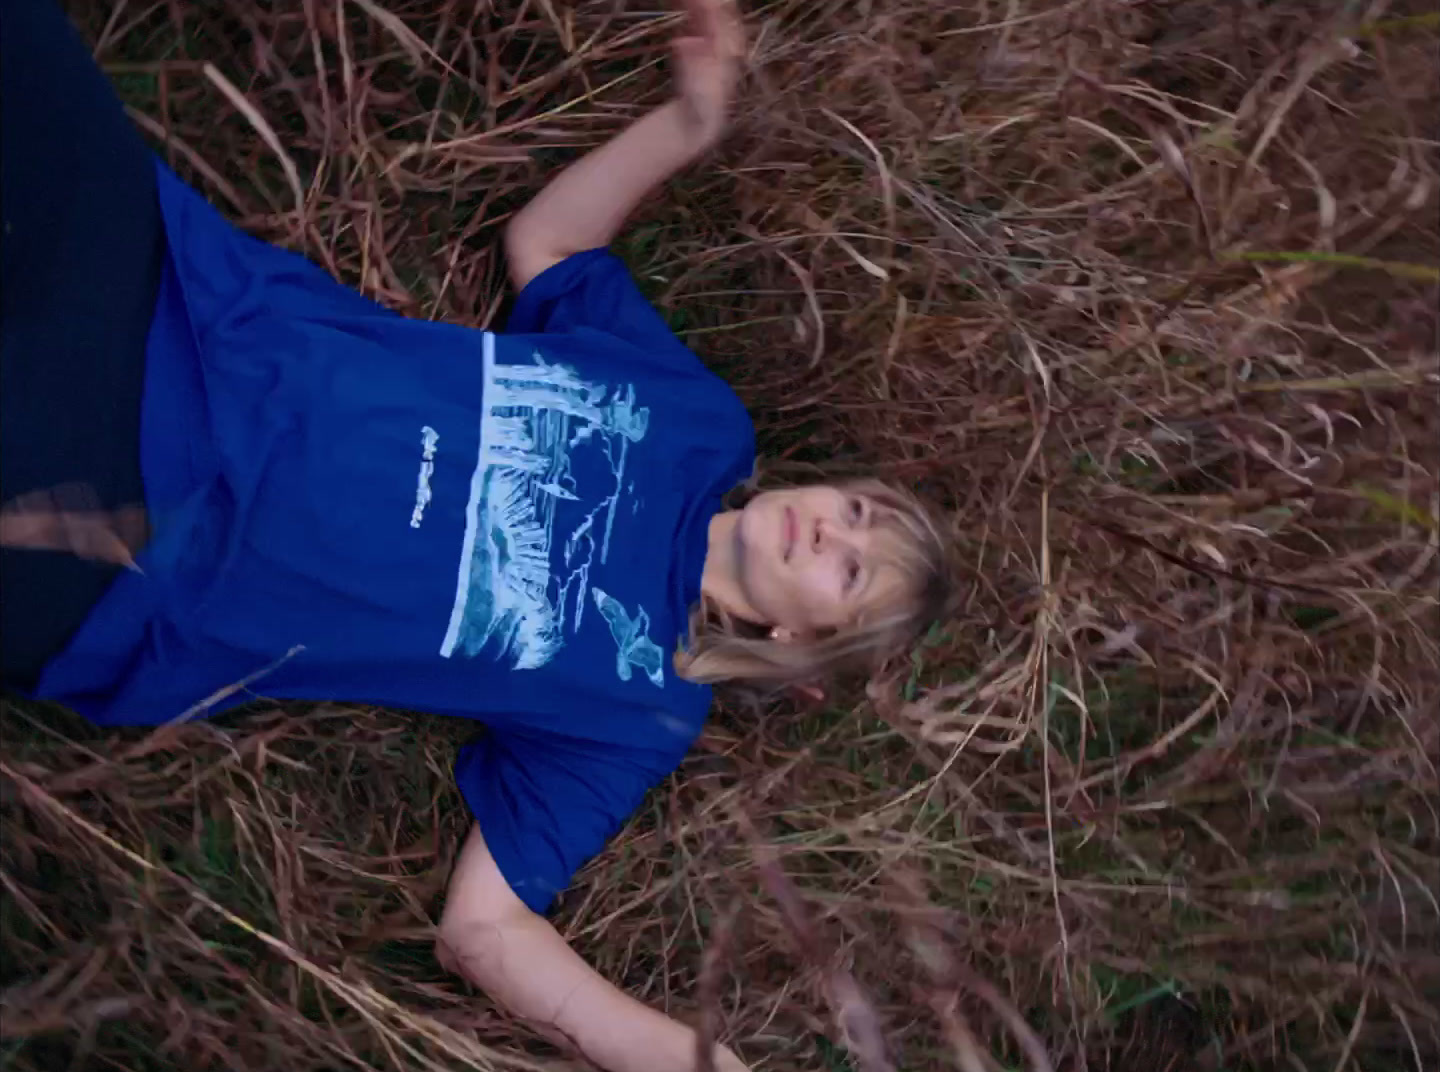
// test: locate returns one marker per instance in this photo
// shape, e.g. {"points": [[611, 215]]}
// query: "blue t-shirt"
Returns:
{"points": [[358, 506]]}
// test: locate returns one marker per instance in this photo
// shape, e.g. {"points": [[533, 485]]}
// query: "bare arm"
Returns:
{"points": [[585, 206], [488, 935]]}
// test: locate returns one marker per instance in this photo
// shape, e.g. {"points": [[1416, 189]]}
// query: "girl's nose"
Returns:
{"points": [[830, 535]]}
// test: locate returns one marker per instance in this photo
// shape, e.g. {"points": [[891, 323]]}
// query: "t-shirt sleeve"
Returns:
{"points": [[590, 290], [546, 804]]}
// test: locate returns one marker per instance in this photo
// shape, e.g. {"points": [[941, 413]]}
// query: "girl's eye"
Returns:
{"points": [[857, 511], [852, 575]]}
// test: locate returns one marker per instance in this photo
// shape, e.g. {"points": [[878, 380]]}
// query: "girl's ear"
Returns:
{"points": [[804, 695]]}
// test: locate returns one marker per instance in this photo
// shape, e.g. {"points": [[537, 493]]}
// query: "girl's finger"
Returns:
{"points": [[729, 29], [717, 21]]}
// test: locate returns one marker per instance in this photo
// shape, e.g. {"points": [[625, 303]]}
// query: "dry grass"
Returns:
{"points": [[1144, 292]]}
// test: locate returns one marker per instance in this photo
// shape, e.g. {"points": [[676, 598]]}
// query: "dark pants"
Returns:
{"points": [[80, 253]]}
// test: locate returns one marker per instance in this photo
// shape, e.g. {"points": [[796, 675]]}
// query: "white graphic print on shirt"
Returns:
{"points": [[634, 646], [517, 575], [428, 439]]}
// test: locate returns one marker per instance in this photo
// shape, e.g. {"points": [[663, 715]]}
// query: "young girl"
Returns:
{"points": [[524, 528]]}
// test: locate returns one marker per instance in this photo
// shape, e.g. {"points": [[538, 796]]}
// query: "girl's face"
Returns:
{"points": [[813, 558]]}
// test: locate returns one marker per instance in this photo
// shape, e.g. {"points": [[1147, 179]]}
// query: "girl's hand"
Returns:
{"points": [[70, 518], [707, 65], [585, 206]]}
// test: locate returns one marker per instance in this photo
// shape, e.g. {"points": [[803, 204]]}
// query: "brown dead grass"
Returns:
{"points": [[1144, 293]]}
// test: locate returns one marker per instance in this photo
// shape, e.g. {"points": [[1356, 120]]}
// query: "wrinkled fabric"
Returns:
{"points": [[355, 506]]}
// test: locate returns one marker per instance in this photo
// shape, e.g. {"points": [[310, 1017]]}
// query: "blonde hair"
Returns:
{"points": [[724, 649]]}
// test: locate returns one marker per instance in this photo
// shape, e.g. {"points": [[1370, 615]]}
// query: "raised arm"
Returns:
{"points": [[585, 206], [488, 935]]}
